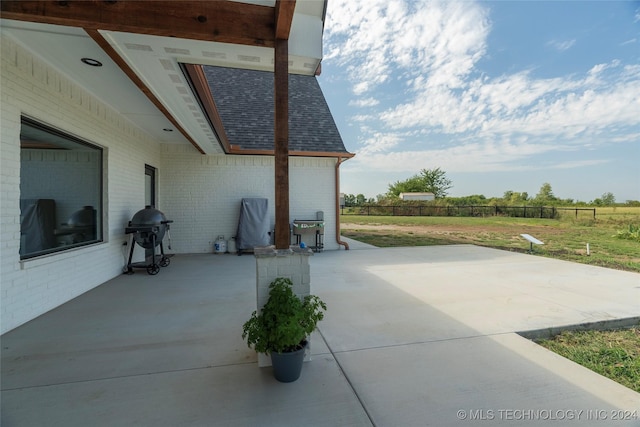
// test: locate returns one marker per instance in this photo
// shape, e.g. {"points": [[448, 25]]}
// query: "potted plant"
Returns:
{"points": [[282, 326]]}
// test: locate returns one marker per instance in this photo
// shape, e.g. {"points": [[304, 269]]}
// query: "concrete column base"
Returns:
{"points": [[292, 263]]}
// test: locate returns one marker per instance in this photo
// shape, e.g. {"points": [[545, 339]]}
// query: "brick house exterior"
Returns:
{"points": [[201, 193]]}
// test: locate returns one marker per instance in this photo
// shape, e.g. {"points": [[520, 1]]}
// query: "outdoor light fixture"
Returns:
{"points": [[92, 62]]}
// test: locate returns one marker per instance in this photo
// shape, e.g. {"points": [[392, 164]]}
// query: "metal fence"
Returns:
{"points": [[462, 211], [585, 210]]}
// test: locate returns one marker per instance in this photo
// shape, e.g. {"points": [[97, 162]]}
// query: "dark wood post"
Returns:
{"points": [[281, 88]]}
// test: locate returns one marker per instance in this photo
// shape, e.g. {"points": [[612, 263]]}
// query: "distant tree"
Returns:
{"points": [[411, 185], [545, 194], [349, 200], [515, 198], [475, 199], [608, 199], [382, 199], [427, 181]]}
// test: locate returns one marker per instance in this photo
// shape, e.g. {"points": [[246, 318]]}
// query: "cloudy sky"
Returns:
{"points": [[502, 95]]}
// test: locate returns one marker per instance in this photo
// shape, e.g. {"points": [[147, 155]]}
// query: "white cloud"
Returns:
{"points": [[380, 142], [519, 103], [362, 118], [578, 164], [562, 45], [366, 102], [490, 122], [372, 37], [474, 157]]}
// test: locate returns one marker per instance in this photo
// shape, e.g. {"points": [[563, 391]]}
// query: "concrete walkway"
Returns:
{"points": [[412, 337]]}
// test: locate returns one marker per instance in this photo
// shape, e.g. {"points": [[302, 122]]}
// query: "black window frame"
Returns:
{"points": [[150, 171], [62, 137]]}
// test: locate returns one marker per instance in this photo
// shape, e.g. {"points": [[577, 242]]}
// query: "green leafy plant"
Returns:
{"points": [[632, 233], [285, 320]]}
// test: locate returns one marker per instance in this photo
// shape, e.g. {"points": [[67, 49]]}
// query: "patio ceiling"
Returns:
{"points": [[143, 47]]}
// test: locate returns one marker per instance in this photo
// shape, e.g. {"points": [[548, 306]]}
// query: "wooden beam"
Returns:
{"points": [[281, 131], [202, 90], [284, 17], [218, 21], [97, 37], [236, 149]]}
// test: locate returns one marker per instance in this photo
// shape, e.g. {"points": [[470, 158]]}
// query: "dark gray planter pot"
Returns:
{"points": [[287, 366]]}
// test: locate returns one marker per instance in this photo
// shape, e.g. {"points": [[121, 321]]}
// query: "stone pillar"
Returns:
{"points": [[292, 263]]}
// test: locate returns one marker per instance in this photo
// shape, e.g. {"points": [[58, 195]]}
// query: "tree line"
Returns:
{"points": [[435, 181]]}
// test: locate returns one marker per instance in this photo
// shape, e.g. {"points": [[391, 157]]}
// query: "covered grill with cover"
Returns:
{"points": [[253, 225]]}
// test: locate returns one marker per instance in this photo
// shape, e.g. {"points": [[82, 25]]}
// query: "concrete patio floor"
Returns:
{"points": [[412, 337]]}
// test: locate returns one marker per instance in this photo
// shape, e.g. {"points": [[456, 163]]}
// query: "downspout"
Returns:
{"points": [[337, 181]]}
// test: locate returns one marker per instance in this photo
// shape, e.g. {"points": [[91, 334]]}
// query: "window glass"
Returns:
{"points": [[60, 191]]}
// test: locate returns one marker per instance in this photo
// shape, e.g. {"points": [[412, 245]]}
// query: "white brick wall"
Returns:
{"points": [[202, 194], [33, 88]]}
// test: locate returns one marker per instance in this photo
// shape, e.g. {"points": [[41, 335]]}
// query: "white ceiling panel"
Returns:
{"points": [[156, 61]]}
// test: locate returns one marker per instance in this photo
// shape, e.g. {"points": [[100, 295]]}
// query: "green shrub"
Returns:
{"points": [[285, 320], [632, 233]]}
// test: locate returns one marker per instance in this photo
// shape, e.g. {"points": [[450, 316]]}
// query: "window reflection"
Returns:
{"points": [[60, 191]]}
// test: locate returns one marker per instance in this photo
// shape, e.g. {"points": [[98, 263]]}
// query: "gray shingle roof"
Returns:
{"points": [[244, 99]]}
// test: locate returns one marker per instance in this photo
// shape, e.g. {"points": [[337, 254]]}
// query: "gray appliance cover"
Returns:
{"points": [[253, 225], [37, 226]]}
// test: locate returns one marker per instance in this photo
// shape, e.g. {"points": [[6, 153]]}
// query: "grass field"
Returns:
{"points": [[565, 238], [614, 354]]}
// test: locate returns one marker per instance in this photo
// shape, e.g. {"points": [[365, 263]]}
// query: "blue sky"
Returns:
{"points": [[501, 95]]}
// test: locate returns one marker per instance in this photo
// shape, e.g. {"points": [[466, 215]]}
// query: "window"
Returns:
{"points": [[60, 191]]}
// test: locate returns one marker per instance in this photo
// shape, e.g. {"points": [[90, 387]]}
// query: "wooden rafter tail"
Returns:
{"points": [[283, 17]]}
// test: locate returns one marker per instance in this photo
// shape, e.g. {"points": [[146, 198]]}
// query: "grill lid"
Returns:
{"points": [[148, 216], [85, 217], [144, 219]]}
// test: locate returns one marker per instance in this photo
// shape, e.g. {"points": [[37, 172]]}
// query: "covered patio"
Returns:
{"points": [[412, 337]]}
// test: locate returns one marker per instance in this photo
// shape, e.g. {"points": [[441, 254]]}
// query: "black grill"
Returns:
{"points": [[148, 227]]}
